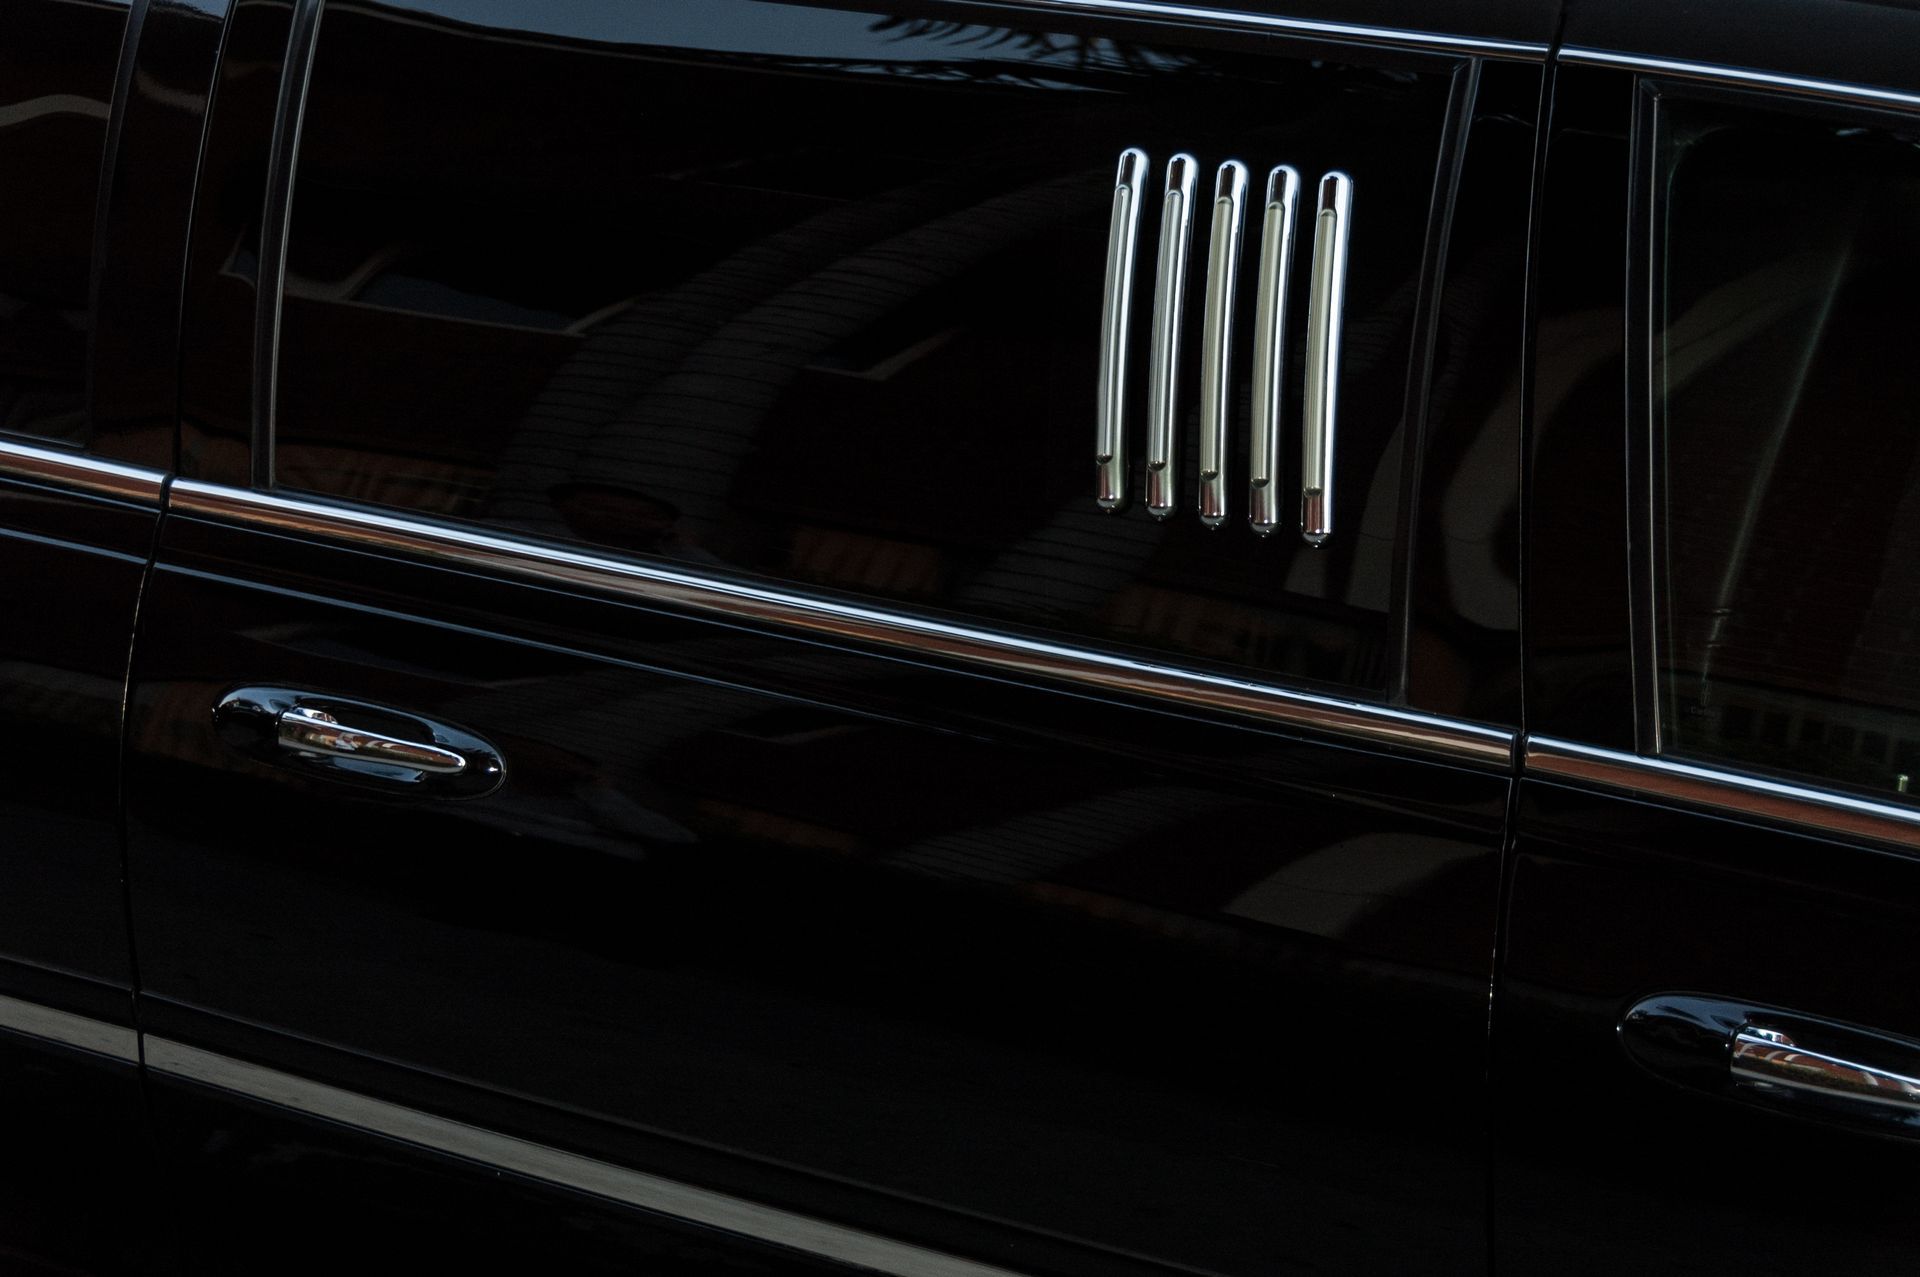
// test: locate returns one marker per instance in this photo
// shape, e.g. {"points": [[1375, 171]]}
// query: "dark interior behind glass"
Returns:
{"points": [[1787, 393], [831, 318]]}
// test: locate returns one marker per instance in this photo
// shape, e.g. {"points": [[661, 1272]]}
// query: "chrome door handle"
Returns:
{"points": [[1772, 1058], [315, 731], [357, 742], [1783, 1060]]}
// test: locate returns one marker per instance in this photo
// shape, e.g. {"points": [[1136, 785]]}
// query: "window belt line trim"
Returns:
{"points": [[673, 586], [1164, 11], [81, 473], [1734, 793], [1749, 77]]}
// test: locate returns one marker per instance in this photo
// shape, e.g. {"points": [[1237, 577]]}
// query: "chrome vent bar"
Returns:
{"points": [[1278, 225], [1111, 450], [1163, 373]]}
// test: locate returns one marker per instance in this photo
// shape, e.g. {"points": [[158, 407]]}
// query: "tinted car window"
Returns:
{"points": [[56, 83], [814, 295], [1787, 396]]}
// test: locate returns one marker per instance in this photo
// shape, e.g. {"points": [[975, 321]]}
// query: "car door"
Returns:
{"points": [[84, 453], [1705, 1033], [664, 711]]}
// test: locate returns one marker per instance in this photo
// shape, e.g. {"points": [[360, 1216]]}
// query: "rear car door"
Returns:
{"points": [[641, 691], [1705, 1034]]}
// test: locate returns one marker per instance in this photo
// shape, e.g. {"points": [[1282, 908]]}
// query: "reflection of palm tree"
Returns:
{"points": [[1082, 53]]}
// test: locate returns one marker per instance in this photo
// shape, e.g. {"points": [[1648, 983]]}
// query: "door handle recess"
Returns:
{"points": [[1781, 1059], [357, 742]]}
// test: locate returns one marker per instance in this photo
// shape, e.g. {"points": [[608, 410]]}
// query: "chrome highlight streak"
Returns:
{"points": [[1270, 347], [922, 636], [307, 730], [1216, 339], [1732, 792], [276, 223], [1333, 222], [68, 1029], [1833, 90], [558, 1167], [1770, 1057], [1163, 374], [83, 473], [1110, 448], [1522, 50]]}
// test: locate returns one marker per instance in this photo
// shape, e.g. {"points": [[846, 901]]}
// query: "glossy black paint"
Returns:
{"points": [[828, 930], [1466, 400], [271, 1178], [1064, 983], [70, 568], [1069, 984], [1619, 1145], [1579, 537], [1604, 1165], [78, 1177]]}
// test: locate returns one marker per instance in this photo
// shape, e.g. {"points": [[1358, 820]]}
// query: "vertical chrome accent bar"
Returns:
{"points": [[276, 220], [1216, 341], [1169, 292], [1110, 449], [1332, 222], [1270, 347]]}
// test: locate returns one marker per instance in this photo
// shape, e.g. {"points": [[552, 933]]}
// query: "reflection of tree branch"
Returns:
{"points": [[1079, 52]]}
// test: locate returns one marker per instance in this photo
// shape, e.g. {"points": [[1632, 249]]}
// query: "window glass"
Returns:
{"points": [[1787, 403], [57, 64], [814, 295]]}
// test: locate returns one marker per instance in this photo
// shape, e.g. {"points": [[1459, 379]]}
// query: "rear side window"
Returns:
{"points": [[1786, 396], [813, 295], [56, 83]]}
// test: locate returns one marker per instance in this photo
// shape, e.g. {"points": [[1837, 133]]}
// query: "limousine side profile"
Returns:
{"points": [[960, 638]]}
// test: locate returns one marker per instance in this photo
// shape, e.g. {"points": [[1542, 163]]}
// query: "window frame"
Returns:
{"points": [[1645, 406]]}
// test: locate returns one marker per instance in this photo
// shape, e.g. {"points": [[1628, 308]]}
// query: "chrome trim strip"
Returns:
{"points": [[1326, 310], [1216, 338], [77, 470], [1169, 296], [1110, 445], [1270, 347], [276, 224], [557, 1167], [1837, 90], [1733, 792], [734, 600], [1159, 11], [68, 1029]]}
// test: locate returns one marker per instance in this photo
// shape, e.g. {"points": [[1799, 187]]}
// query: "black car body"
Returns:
{"points": [[1042, 637]]}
